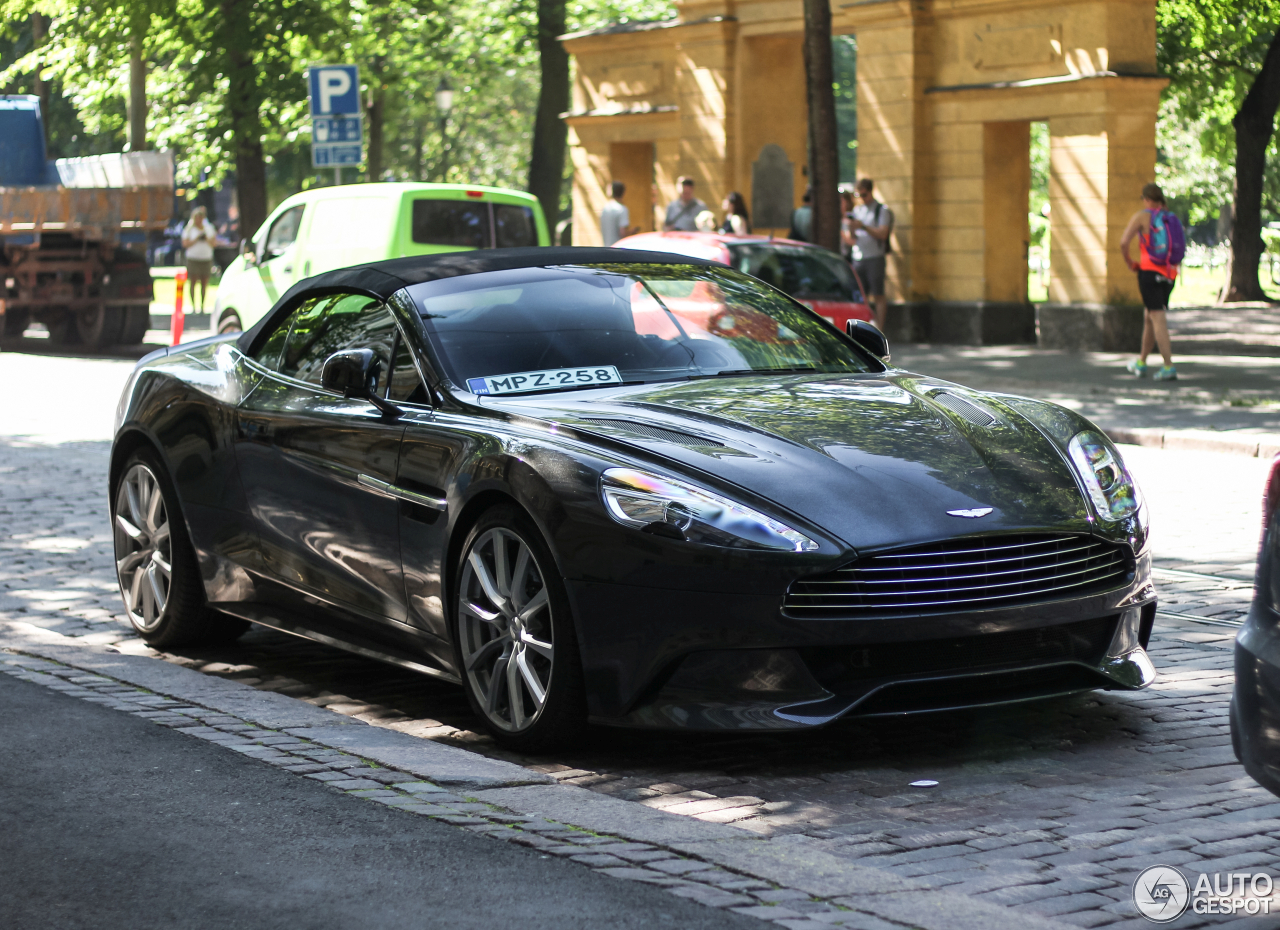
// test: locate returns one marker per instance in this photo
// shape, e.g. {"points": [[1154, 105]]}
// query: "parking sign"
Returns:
{"points": [[334, 90]]}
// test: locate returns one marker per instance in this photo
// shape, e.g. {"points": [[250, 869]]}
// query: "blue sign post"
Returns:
{"points": [[337, 130]]}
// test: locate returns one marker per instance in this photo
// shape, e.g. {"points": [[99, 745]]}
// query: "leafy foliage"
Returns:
{"points": [[1212, 50]]}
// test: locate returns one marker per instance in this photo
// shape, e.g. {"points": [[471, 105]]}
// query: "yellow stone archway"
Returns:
{"points": [[946, 92]]}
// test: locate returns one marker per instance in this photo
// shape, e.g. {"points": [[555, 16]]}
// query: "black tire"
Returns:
{"points": [[99, 327], [150, 540], [528, 643], [137, 320], [61, 324], [16, 323], [230, 323]]}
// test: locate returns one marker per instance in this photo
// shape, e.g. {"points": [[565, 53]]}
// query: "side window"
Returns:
{"points": [[405, 385], [451, 222], [514, 226], [268, 355], [329, 324], [284, 231]]}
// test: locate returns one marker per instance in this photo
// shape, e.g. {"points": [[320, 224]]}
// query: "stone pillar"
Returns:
{"points": [[1098, 164]]}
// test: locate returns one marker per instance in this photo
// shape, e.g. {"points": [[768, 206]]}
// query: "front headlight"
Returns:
{"points": [[671, 508], [1113, 491]]}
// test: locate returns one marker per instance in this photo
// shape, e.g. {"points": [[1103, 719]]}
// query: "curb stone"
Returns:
{"points": [[731, 862], [1230, 442]]}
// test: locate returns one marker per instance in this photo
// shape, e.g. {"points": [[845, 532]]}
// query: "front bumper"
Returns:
{"points": [[658, 658]]}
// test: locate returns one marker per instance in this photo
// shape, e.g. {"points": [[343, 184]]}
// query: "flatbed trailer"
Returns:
{"points": [[65, 259]]}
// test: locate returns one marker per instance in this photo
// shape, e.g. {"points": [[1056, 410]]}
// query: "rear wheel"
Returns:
{"points": [[230, 323], [137, 320], [99, 327], [16, 323], [156, 564], [516, 647], [61, 324]]}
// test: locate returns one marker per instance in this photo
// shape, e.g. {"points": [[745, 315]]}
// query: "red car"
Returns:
{"points": [[817, 278]]}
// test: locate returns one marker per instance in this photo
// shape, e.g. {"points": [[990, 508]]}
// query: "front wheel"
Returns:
{"points": [[230, 323], [156, 564], [517, 650]]}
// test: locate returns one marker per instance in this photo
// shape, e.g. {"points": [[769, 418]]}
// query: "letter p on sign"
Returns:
{"points": [[335, 89]]}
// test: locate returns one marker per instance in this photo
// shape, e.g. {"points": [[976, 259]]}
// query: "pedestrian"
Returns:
{"points": [[870, 225], [615, 218], [705, 222], [1161, 246], [736, 220], [682, 213], [802, 218], [197, 241]]}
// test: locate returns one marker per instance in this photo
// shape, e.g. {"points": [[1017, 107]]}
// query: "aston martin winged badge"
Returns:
{"points": [[975, 512]]}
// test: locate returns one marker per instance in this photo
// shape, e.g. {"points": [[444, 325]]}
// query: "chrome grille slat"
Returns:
{"points": [[943, 553], [965, 600], [976, 566], [988, 571]]}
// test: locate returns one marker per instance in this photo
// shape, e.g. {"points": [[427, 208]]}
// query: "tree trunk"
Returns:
{"points": [[39, 30], [1254, 124], [137, 90], [546, 163], [824, 159], [244, 104], [377, 119]]}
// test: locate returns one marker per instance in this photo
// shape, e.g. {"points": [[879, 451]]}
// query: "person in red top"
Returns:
{"points": [[1155, 282]]}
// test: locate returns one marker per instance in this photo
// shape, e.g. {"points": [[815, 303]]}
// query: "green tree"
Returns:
{"points": [[1224, 59]]}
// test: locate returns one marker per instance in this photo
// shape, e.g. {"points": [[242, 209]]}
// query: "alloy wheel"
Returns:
{"points": [[504, 627], [144, 558]]}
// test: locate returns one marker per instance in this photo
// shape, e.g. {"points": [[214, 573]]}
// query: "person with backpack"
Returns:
{"points": [[1161, 247], [869, 226]]}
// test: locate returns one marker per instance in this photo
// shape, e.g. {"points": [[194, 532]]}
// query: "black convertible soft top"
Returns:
{"points": [[382, 279]]}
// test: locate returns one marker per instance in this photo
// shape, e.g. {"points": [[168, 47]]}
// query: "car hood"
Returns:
{"points": [[877, 460]]}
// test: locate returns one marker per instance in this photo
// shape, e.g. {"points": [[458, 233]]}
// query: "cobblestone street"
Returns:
{"points": [[1051, 808]]}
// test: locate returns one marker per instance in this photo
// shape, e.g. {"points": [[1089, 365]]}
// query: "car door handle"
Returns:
{"points": [[390, 490]]}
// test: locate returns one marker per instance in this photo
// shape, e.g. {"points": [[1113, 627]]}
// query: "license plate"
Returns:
{"points": [[552, 379]]}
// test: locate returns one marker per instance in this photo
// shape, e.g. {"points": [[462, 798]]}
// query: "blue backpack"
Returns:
{"points": [[1166, 243]]}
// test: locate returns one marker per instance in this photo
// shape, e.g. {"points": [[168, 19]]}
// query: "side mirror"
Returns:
{"points": [[870, 338], [246, 249], [351, 373], [354, 373]]}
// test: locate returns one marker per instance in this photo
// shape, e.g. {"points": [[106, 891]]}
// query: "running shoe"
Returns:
{"points": [[1167, 373], [1136, 368]]}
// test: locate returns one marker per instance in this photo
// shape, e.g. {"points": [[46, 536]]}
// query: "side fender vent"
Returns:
{"points": [[966, 410], [660, 433]]}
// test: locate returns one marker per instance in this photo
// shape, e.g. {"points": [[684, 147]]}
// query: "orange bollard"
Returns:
{"points": [[175, 321]]}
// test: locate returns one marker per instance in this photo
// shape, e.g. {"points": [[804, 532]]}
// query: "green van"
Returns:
{"points": [[332, 227]]}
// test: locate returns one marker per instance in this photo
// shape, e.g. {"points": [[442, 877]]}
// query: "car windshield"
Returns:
{"points": [[542, 329], [799, 271]]}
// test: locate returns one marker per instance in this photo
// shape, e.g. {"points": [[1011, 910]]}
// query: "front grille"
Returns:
{"points": [[963, 574], [839, 668]]}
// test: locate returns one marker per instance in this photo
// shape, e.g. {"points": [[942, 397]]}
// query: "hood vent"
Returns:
{"points": [[965, 409], [660, 433]]}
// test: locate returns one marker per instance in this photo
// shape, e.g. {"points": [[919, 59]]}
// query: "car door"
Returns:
{"points": [[276, 270], [314, 463], [433, 446]]}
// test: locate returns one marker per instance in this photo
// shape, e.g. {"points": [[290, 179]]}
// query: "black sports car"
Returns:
{"points": [[1255, 703], [628, 488]]}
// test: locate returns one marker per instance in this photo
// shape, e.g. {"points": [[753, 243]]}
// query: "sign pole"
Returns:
{"points": [[337, 175]]}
